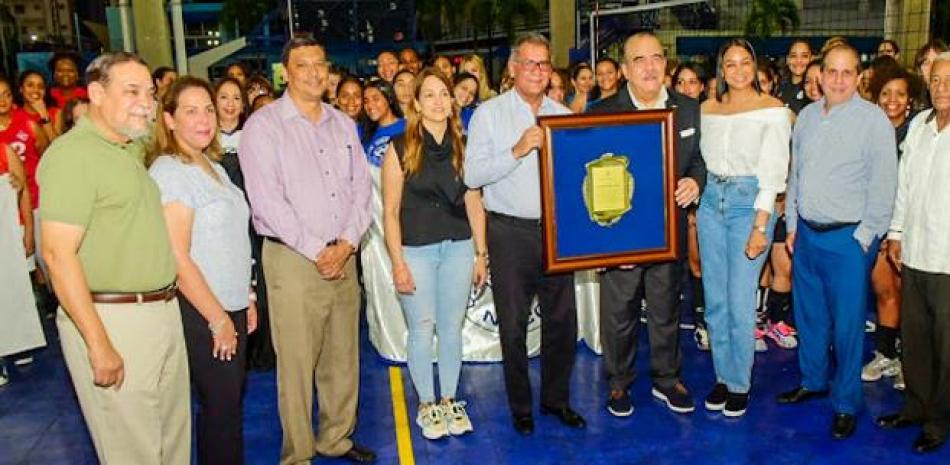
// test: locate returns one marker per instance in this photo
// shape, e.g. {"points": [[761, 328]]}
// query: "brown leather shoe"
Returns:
{"points": [[359, 454]]}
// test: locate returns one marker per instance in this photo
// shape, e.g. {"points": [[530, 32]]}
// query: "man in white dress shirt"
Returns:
{"points": [[920, 247]]}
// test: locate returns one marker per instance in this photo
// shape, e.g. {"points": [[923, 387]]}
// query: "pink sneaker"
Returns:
{"points": [[783, 335]]}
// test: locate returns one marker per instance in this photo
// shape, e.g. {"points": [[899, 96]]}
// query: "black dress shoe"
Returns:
{"points": [[894, 421], [524, 425], [799, 394], [927, 442], [566, 415], [359, 454], [842, 427]]}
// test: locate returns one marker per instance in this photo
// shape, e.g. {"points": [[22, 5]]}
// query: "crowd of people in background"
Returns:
{"points": [[804, 184]]}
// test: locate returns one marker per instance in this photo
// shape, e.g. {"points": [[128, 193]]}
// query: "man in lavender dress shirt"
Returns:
{"points": [[309, 189]]}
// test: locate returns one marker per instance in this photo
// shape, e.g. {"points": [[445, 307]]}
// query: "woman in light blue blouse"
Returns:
{"points": [[207, 216]]}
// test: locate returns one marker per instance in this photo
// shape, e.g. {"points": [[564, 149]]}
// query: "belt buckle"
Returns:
{"points": [[170, 291], [139, 298]]}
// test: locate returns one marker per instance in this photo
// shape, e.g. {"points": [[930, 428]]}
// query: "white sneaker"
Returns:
{"points": [[760, 345], [880, 366], [701, 335], [431, 419], [870, 326], [456, 418]]}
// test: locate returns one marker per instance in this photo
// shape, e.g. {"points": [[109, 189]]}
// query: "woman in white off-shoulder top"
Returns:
{"points": [[745, 145]]}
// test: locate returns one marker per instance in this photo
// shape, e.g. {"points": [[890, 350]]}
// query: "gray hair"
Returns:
{"points": [[532, 38], [640, 35], [100, 70], [941, 57]]}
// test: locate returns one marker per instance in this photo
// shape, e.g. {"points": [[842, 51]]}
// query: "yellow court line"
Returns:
{"points": [[403, 440]]}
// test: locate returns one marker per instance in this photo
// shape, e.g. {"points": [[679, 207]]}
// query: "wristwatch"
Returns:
{"points": [[44, 121]]}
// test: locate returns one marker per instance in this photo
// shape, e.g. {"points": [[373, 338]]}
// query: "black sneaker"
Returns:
{"points": [[619, 404], [736, 405], [676, 398], [716, 399]]}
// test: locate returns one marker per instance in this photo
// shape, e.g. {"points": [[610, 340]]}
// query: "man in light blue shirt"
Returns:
{"points": [[840, 197], [502, 158], [502, 152]]}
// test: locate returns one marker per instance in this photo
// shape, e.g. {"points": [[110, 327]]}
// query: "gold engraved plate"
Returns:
{"points": [[608, 189]]}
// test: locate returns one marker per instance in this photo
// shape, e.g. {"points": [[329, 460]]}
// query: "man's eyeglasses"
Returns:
{"points": [[531, 65]]}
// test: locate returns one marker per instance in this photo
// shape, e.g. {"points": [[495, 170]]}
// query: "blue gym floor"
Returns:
{"points": [[40, 422]]}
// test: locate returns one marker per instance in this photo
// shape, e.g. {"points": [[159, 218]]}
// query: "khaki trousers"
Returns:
{"points": [[315, 329], [148, 420]]}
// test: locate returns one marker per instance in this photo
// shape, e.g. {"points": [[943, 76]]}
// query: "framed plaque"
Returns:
{"points": [[607, 189]]}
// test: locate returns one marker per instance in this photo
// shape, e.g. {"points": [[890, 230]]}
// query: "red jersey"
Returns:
{"points": [[3, 160], [4, 169], [57, 94], [19, 137], [35, 117]]}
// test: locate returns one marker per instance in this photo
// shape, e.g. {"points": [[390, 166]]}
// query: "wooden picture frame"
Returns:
{"points": [[607, 190]]}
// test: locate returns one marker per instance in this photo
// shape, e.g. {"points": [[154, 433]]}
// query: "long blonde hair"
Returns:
{"points": [[412, 156], [164, 140], [484, 81]]}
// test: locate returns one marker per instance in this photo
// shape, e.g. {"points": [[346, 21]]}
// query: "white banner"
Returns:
{"points": [[21, 329]]}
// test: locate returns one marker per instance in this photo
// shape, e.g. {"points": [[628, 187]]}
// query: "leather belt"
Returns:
{"points": [[277, 240], [825, 227], [164, 294], [530, 223]]}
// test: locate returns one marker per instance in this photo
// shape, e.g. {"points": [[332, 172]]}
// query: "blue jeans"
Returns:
{"points": [[443, 276], [831, 275], [730, 279]]}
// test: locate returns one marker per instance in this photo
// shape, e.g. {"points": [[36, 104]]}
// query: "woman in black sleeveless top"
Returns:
{"points": [[435, 229]]}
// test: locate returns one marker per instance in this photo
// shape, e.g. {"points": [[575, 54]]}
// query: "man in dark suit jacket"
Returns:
{"points": [[644, 66]]}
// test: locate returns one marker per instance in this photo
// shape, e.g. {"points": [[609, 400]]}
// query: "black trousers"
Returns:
{"points": [[260, 347], [219, 388], [925, 332], [620, 322], [517, 276]]}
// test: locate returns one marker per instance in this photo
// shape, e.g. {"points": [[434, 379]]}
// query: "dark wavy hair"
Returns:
{"points": [[880, 79], [764, 65], [721, 86], [389, 92], [245, 104], [18, 95], [695, 69]]}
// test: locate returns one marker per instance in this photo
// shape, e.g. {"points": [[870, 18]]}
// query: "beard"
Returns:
{"points": [[135, 131]]}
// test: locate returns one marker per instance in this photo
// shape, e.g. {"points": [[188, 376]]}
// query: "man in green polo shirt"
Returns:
{"points": [[112, 268]]}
